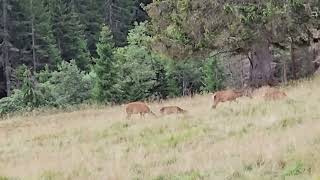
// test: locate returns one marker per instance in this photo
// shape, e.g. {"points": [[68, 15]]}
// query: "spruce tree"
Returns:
{"points": [[46, 51], [119, 17], [14, 36], [91, 17], [69, 33], [105, 68]]}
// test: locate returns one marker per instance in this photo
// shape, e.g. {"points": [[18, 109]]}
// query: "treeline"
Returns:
{"points": [[69, 52], [44, 32], [118, 74]]}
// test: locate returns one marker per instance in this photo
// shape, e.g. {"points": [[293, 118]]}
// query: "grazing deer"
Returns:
{"points": [[138, 108], [274, 95], [260, 92], [227, 95], [172, 110], [269, 93]]}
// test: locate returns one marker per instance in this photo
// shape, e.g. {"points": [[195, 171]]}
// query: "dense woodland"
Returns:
{"points": [[68, 52]]}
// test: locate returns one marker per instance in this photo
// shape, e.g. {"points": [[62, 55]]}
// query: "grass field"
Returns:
{"points": [[249, 139]]}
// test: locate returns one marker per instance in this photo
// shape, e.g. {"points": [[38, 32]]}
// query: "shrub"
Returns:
{"points": [[213, 76], [67, 86], [13, 103]]}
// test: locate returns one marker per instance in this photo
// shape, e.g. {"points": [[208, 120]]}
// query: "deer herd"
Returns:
{"points": [[267, 93]]}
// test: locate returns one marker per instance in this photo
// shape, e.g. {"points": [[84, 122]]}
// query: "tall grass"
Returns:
{"points": [[248, 139]]}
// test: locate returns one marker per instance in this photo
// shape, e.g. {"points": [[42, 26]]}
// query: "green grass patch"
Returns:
{"points": [[51, 175], [294, 169], [290, 121], [8, 178], [191, 175]]}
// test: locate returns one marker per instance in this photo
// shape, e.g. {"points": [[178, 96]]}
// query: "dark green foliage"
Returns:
{"points": [[119, 16], [13, 103], [160, 89], [91, 17], [30, 96], [26, 98], [213, 76], [105, 69], [136, 76], [185, 77], [67, 86], [69, 33], [45, 43], [142, 74]]}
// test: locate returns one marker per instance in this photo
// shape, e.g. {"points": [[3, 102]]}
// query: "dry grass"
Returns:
{"points": [[248, 139]]}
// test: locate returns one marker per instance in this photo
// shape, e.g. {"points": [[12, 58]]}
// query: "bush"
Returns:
{"points": [[25, 98], [13, 103], [184, 77], [213, 76], [66, 86]]}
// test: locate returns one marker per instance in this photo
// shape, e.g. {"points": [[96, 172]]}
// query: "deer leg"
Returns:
{"points": [[214, 105]]}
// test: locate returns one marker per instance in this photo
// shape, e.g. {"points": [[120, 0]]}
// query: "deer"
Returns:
{"points": [[269, 93], [274, 95], [172, 110], [138, 108], [228, 95]]}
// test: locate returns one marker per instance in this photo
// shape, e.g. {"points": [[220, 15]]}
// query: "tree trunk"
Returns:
{"points": [[108, 15], [34, 58], [261, 72], [284, 73], [184, 87], [293, 59], [2, 79], [5, 49]]}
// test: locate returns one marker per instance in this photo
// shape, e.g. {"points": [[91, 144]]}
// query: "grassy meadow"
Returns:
{"points": [[245, 140]]}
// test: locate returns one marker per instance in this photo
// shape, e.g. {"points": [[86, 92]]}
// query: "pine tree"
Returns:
{"points": [[141, 74], [14, 39], [5, 48], [105, 68], [91, 17], [119, 17], [69, 33], [44, 44]]}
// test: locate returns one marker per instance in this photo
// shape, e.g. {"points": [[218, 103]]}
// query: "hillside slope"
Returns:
{"points": [[248, 139]]}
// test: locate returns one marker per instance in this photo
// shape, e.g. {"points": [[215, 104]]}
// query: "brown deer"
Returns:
{"points": [[260, 92], [172, 110], [138, 108], [274, 95], [228, 95], [269, 93]]}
